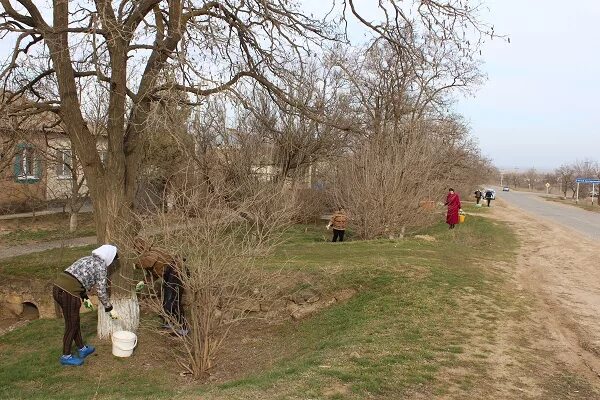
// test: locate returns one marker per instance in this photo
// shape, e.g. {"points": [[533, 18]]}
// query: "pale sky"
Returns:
{"points": [[539, 106]]}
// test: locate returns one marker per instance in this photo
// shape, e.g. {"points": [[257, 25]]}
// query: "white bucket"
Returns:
{"points": [[123, 343]]}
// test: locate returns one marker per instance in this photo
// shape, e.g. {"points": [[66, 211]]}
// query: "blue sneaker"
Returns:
{"points": [[70, 360], [86, 351]]}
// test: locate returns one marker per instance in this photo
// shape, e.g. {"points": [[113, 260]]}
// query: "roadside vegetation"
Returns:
{"points": [[420, 305], [584, 204]]}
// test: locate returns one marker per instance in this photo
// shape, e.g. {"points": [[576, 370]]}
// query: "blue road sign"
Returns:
{"points": [[587, 180]]}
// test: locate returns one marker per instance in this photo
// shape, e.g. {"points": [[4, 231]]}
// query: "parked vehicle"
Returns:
{"points": [[489, 190]]}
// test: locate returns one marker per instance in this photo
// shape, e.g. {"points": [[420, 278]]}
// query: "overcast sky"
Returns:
{"points": [[539, 106]]}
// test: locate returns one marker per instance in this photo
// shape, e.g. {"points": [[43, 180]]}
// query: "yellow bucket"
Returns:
{"points": [[461, 218]]}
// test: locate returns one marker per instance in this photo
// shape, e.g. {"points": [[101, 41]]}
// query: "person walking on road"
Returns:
{"points": [[71, 287], [489, 196], [478, 196], [454, 206], [338, 220]]}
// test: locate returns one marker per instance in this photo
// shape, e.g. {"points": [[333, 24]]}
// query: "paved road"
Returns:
{"points": [[585, 222]]}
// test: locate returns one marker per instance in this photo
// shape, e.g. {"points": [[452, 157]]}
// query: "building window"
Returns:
{"points": [[64, 159], [27, 167]]}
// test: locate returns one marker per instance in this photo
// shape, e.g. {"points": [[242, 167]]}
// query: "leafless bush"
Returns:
{"points": [[383, 182], [221, 234], [311, 204]]}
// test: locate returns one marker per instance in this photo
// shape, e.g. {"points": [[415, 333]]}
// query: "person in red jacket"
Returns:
{"points": [[453, 203]]}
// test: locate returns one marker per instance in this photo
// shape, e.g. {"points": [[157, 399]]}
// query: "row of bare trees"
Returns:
{"points": [[224, 101], [562, 180]]}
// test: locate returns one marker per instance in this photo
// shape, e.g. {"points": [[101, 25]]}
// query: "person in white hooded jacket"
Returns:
{"points": [[70, 289]]}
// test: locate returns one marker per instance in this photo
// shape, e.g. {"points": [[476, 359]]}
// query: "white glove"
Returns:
{"points": [[113, 314], [139, 286], [328, 226], [87, 303]]}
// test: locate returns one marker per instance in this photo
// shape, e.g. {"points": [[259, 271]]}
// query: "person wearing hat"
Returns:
{"points": [[70, 289], [163, 265]]}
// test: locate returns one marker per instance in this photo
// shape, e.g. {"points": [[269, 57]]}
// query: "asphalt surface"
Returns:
{"points": [[582, 221]]}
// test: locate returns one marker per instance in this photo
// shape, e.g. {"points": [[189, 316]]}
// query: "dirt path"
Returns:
{"points": [[13, 251], [553, 349]]}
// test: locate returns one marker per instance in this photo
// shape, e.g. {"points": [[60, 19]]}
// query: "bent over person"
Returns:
{"points": [[163, 265], [71, 287], [338, 220]]}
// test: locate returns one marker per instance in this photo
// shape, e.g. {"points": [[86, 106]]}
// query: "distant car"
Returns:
{"points": [[593, 194], [505, 189]]}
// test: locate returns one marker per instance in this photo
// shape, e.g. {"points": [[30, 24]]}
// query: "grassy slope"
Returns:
{"points": [[415, 313]]}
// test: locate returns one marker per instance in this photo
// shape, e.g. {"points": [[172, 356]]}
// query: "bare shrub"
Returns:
{"points": [[221, 234], [382, 183], [311, 204]]}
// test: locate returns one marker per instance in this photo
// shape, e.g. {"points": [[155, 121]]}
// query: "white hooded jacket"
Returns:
{"points": [[92, 270], [106, 252]]}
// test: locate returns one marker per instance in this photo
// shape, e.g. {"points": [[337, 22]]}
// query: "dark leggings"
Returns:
{"points": [[338, 233], [172, 293], [70, 308]]}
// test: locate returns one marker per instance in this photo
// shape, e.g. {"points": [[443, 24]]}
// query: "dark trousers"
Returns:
{"points": [[488, 202], [70, 306], [338, 233], [477, 199], [172, 293]]}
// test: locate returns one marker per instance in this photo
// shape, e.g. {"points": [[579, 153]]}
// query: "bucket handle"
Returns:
{"points": [[126, 349]]}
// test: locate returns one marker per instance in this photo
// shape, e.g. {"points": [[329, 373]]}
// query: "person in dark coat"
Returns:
{"points": [[489, 196], [478, 196]]}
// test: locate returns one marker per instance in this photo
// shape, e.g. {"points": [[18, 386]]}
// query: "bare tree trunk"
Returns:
{"points": [[73, 221], [115, 224]]}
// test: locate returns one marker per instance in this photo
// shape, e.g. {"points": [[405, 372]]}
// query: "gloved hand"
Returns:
{"points": [[87, 303], [113, 314], [328, 226], [139, 286]]}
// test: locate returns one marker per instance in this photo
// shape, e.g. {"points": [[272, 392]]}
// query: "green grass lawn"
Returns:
{"points": [[421, 308], [43, 265], [44, 228]]}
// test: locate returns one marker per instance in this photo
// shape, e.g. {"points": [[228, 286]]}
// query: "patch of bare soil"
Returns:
{"points": [[7, 324], [543, 340]]}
